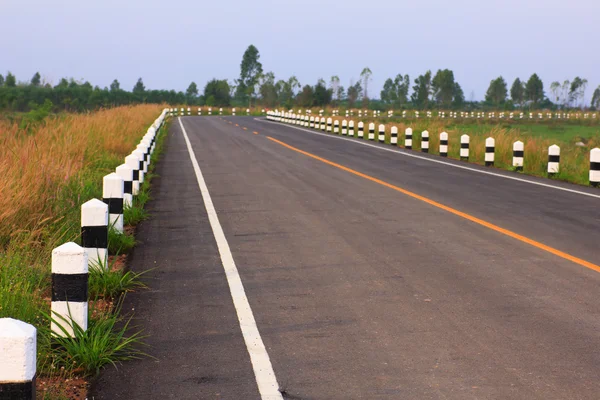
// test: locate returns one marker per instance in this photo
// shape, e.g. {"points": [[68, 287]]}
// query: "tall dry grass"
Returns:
{"points": [[39, 163]]}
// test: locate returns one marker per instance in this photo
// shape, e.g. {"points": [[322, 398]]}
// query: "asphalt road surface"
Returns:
{"points": [[370, 274]]}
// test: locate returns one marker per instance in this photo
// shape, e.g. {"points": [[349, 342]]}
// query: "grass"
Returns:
{"points": [[49, 170]]}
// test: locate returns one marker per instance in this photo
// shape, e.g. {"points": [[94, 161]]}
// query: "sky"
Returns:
{"points": [[172, 43]]}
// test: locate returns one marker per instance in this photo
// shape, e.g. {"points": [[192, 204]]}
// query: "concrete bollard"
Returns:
{"points": [[69, 289], [329, 121], [189, 111], [595, 167], [361, 130], [553, 160], [394, 136], [247, 111], [126, 172], [464, 147], [233, 111], [182, 112], [18, 347], [344, 127], [351, 128], [199, 111], [312, 122], [306, 121], [143, 168], [444, 144], [490, 151], [336, 127], [408, 138], [425, 141], [518, 155], [381, 133], [209, 111], [371, 131], [94, 232], [323, 124], [112, 194], [220, 111], [134, 162]]}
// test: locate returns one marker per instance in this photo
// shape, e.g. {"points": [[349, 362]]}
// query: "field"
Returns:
{"points": [[50, 168]]}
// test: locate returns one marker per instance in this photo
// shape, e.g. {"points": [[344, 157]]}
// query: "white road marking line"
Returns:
{"points": [[261, 363], [401, 152]]}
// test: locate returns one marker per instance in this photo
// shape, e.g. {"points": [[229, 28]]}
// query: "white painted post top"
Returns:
{"points": [[371, 126], [394, 129], [444, 136], [381, 127], [133, 161], [490, 142], [69, 258], [94, 213], [425, 134], [554, 150], [595, 154], [112, 186], [408, 131], [518, 145], [125, 171], [465, 139], [17, 350]]}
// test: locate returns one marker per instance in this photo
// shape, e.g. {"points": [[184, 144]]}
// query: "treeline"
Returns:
{"points": [[256, 87]]}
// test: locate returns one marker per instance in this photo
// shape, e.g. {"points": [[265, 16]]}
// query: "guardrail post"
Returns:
{"points": [[425, 141], [518, 155], [595, 167], [408, 138], [464, 147], [490, 150], [94, 232], [444, 144], [18, 345], [112, 194], [553, 160]]}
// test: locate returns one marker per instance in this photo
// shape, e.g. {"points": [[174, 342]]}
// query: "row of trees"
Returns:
{"points": [[254, 86]]}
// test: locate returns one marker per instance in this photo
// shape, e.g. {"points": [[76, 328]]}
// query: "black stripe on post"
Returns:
{"points": [[489, 149], [136, 175], [553, 158], [70, 287], [128, 187], [464, 145], [444, 142], [595, 166], [141, 165], [518, 153], [115, 205], [94, 237], [18, 390]]}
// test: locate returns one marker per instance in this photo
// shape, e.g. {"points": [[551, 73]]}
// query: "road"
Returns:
{"points": [[370, 274]]}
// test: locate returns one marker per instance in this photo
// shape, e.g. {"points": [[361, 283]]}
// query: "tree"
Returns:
{"points": [[10, 80], [139, 87], [517, 92], [422, 90], [322, 95], [387, 92], [192, 91], [497, 92], [534, 90], [365, 75], [555, 90], [442, 87], [334, 84], [1, 80], [577, 91], [115, 86], [596, 98], [401, 87], [354, 92], [458, 95], [36, 80], [217, 93], [250, 72], [267, 90], [305, 97]]}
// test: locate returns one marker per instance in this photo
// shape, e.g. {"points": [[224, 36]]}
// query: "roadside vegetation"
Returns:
{"points": [[51, 166]]}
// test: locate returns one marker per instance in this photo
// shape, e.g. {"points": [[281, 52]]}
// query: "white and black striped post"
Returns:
{"points": [[69, 289], [464, 147], [182, 112], [444, 144], [199, 111], [18, 347], [143, 166], [518, 155], [112, 194], [189, 111], [490, 151], [323, 124], [595, 167], [553, 160], [220, 111], [209, 111], [329, 122], [336, 126], [94, 232], [425, 141], [408, 138], [312, 122], [381, 129], [371, 131], [233, 111], [135, 163], [351, 128], [126, 172], [361, 130], [394, 136], [247, 111], [344, 127]]}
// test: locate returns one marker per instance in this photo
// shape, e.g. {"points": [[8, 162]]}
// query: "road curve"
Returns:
{"points": [[359, 290]]}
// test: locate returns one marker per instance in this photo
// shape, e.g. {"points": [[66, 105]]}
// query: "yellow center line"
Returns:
{"points": [[464, 215]]}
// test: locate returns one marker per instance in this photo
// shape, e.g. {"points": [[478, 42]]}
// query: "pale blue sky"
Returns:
{"points": [[171, 43]]}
